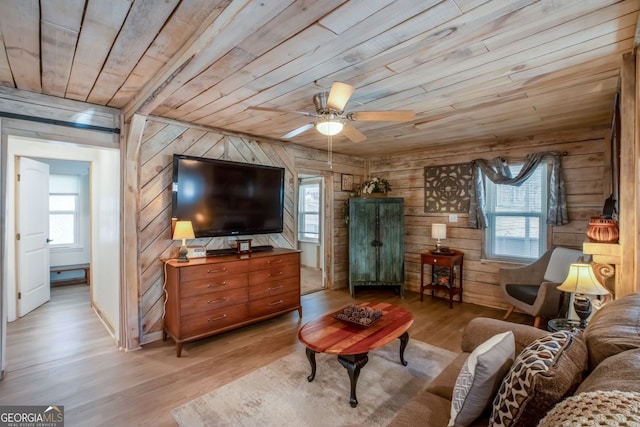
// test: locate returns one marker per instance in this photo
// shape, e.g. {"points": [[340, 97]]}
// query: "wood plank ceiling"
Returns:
{"points": [[474, 71]]}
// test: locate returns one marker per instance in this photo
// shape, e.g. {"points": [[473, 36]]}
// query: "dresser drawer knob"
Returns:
{"points": [[217, 300], [224, 316], [275, 261], [219, 270], [279, 273], [276, 302], [275, 288]]}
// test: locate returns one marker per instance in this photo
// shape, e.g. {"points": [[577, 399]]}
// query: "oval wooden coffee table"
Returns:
{"points": [[352, 342]]}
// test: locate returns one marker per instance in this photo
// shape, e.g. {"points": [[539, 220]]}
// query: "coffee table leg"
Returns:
{"points": [[404, 340], [311, 355], [353, 364]]}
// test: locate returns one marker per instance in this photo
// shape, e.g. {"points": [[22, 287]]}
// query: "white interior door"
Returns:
{"points": [[32, 227]]}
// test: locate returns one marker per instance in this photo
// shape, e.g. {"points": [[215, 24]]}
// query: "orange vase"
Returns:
{"points": [[603, 230]]}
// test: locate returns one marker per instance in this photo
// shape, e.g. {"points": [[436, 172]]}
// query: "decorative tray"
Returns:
{"points": [[358, 315]]}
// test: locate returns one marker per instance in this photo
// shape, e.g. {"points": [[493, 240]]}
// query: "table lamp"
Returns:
{"points": [[582, 282], [438, 231], [182, 231]]}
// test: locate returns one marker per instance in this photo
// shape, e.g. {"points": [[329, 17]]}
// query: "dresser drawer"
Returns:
{"points": [[213, 300], [212, 320], [213, 270], [274, 303], [261, 290], [277, 261], [274, 274], [213, 284], [444, 261]]}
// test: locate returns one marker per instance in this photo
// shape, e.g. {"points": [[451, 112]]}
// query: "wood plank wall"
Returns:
{"points": [[162, 139], [587, 182], [586, 171]]}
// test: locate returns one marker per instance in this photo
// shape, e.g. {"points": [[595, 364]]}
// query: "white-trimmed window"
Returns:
{"points": [[310, 203], [516, 217], [64, 210]]}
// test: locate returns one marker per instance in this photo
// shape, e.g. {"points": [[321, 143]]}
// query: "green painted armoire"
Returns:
{"points": [[376, 242]]}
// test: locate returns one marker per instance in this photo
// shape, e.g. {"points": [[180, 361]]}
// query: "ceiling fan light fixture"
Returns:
{"points": [[329, 127]]}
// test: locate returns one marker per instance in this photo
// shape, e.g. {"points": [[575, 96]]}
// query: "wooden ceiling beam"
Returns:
{"points": [[207, 45]]}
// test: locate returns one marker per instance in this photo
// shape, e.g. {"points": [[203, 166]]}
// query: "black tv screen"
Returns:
{"points": [[223, 198]]}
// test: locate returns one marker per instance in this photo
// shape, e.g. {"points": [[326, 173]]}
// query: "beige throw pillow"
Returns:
{"points": [[480, 378]]}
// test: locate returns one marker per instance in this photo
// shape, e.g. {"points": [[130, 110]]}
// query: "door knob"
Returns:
{"points": [[49, 240]]}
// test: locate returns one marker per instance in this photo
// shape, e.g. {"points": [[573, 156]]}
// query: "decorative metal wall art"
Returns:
{"points": [[446, 188]]}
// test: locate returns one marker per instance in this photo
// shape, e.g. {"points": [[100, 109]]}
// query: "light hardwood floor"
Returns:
{"points": [[61, 354], [310, 280]]}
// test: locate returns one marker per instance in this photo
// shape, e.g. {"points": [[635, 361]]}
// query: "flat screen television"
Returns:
{"points": [[224, 198]]}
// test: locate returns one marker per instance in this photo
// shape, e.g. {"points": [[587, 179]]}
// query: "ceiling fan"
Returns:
{"points": [[331, 118]]}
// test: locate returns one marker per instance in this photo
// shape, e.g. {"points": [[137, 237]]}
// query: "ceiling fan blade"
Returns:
{"points": [[298, 131], [353, 134], [339, 95], [384, 116], [278, 110]]}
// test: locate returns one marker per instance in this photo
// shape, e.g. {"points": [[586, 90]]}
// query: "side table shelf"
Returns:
{"points": [[447, 260], [561, 324]]}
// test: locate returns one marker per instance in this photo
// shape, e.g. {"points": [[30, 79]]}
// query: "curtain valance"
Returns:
{"points": [[497, 170]]}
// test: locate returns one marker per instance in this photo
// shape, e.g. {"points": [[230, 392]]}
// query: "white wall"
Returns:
{"points": [[105, 220], [105, 247], [310, 256]]}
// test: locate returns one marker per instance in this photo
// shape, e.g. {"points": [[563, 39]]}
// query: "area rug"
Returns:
{"points": [[279, 394]]}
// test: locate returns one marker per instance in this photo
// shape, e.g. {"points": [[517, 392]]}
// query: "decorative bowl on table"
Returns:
{"points": [[358, 315]]}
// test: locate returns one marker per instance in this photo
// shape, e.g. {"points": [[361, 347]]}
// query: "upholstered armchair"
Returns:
{"points": [[532, 288]]}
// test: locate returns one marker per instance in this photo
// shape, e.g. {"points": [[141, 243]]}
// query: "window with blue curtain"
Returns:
{"points": [[516, 226]]}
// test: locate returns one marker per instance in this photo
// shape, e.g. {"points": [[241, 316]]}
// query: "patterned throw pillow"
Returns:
{"points": [[546, 371], [480, 378]]}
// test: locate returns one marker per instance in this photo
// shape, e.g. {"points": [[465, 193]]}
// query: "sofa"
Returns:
{"points": [[589, 377]]}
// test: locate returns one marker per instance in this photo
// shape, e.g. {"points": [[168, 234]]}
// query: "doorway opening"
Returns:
{"points": [[69, 212], [99, 239], [311, 213]]}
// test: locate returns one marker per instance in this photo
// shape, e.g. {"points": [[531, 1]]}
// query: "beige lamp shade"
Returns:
{"points": [[183, 230], [439, 231], [582, 280]]}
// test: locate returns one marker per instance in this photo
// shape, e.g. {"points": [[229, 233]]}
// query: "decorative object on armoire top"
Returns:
{"points": [[438, 232], [446, 188], [582, 282], [375, 186], [183, 230]]}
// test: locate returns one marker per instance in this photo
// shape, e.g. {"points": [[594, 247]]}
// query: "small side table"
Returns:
{"points": [[555, 325], [442, 259]]}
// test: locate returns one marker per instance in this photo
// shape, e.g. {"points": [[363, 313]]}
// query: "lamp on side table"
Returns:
{"points": [[582, 282], [182, 231], [438, 232]]}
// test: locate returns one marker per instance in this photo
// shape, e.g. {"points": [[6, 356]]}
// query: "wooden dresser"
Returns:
{"points": [[208, 296]]}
